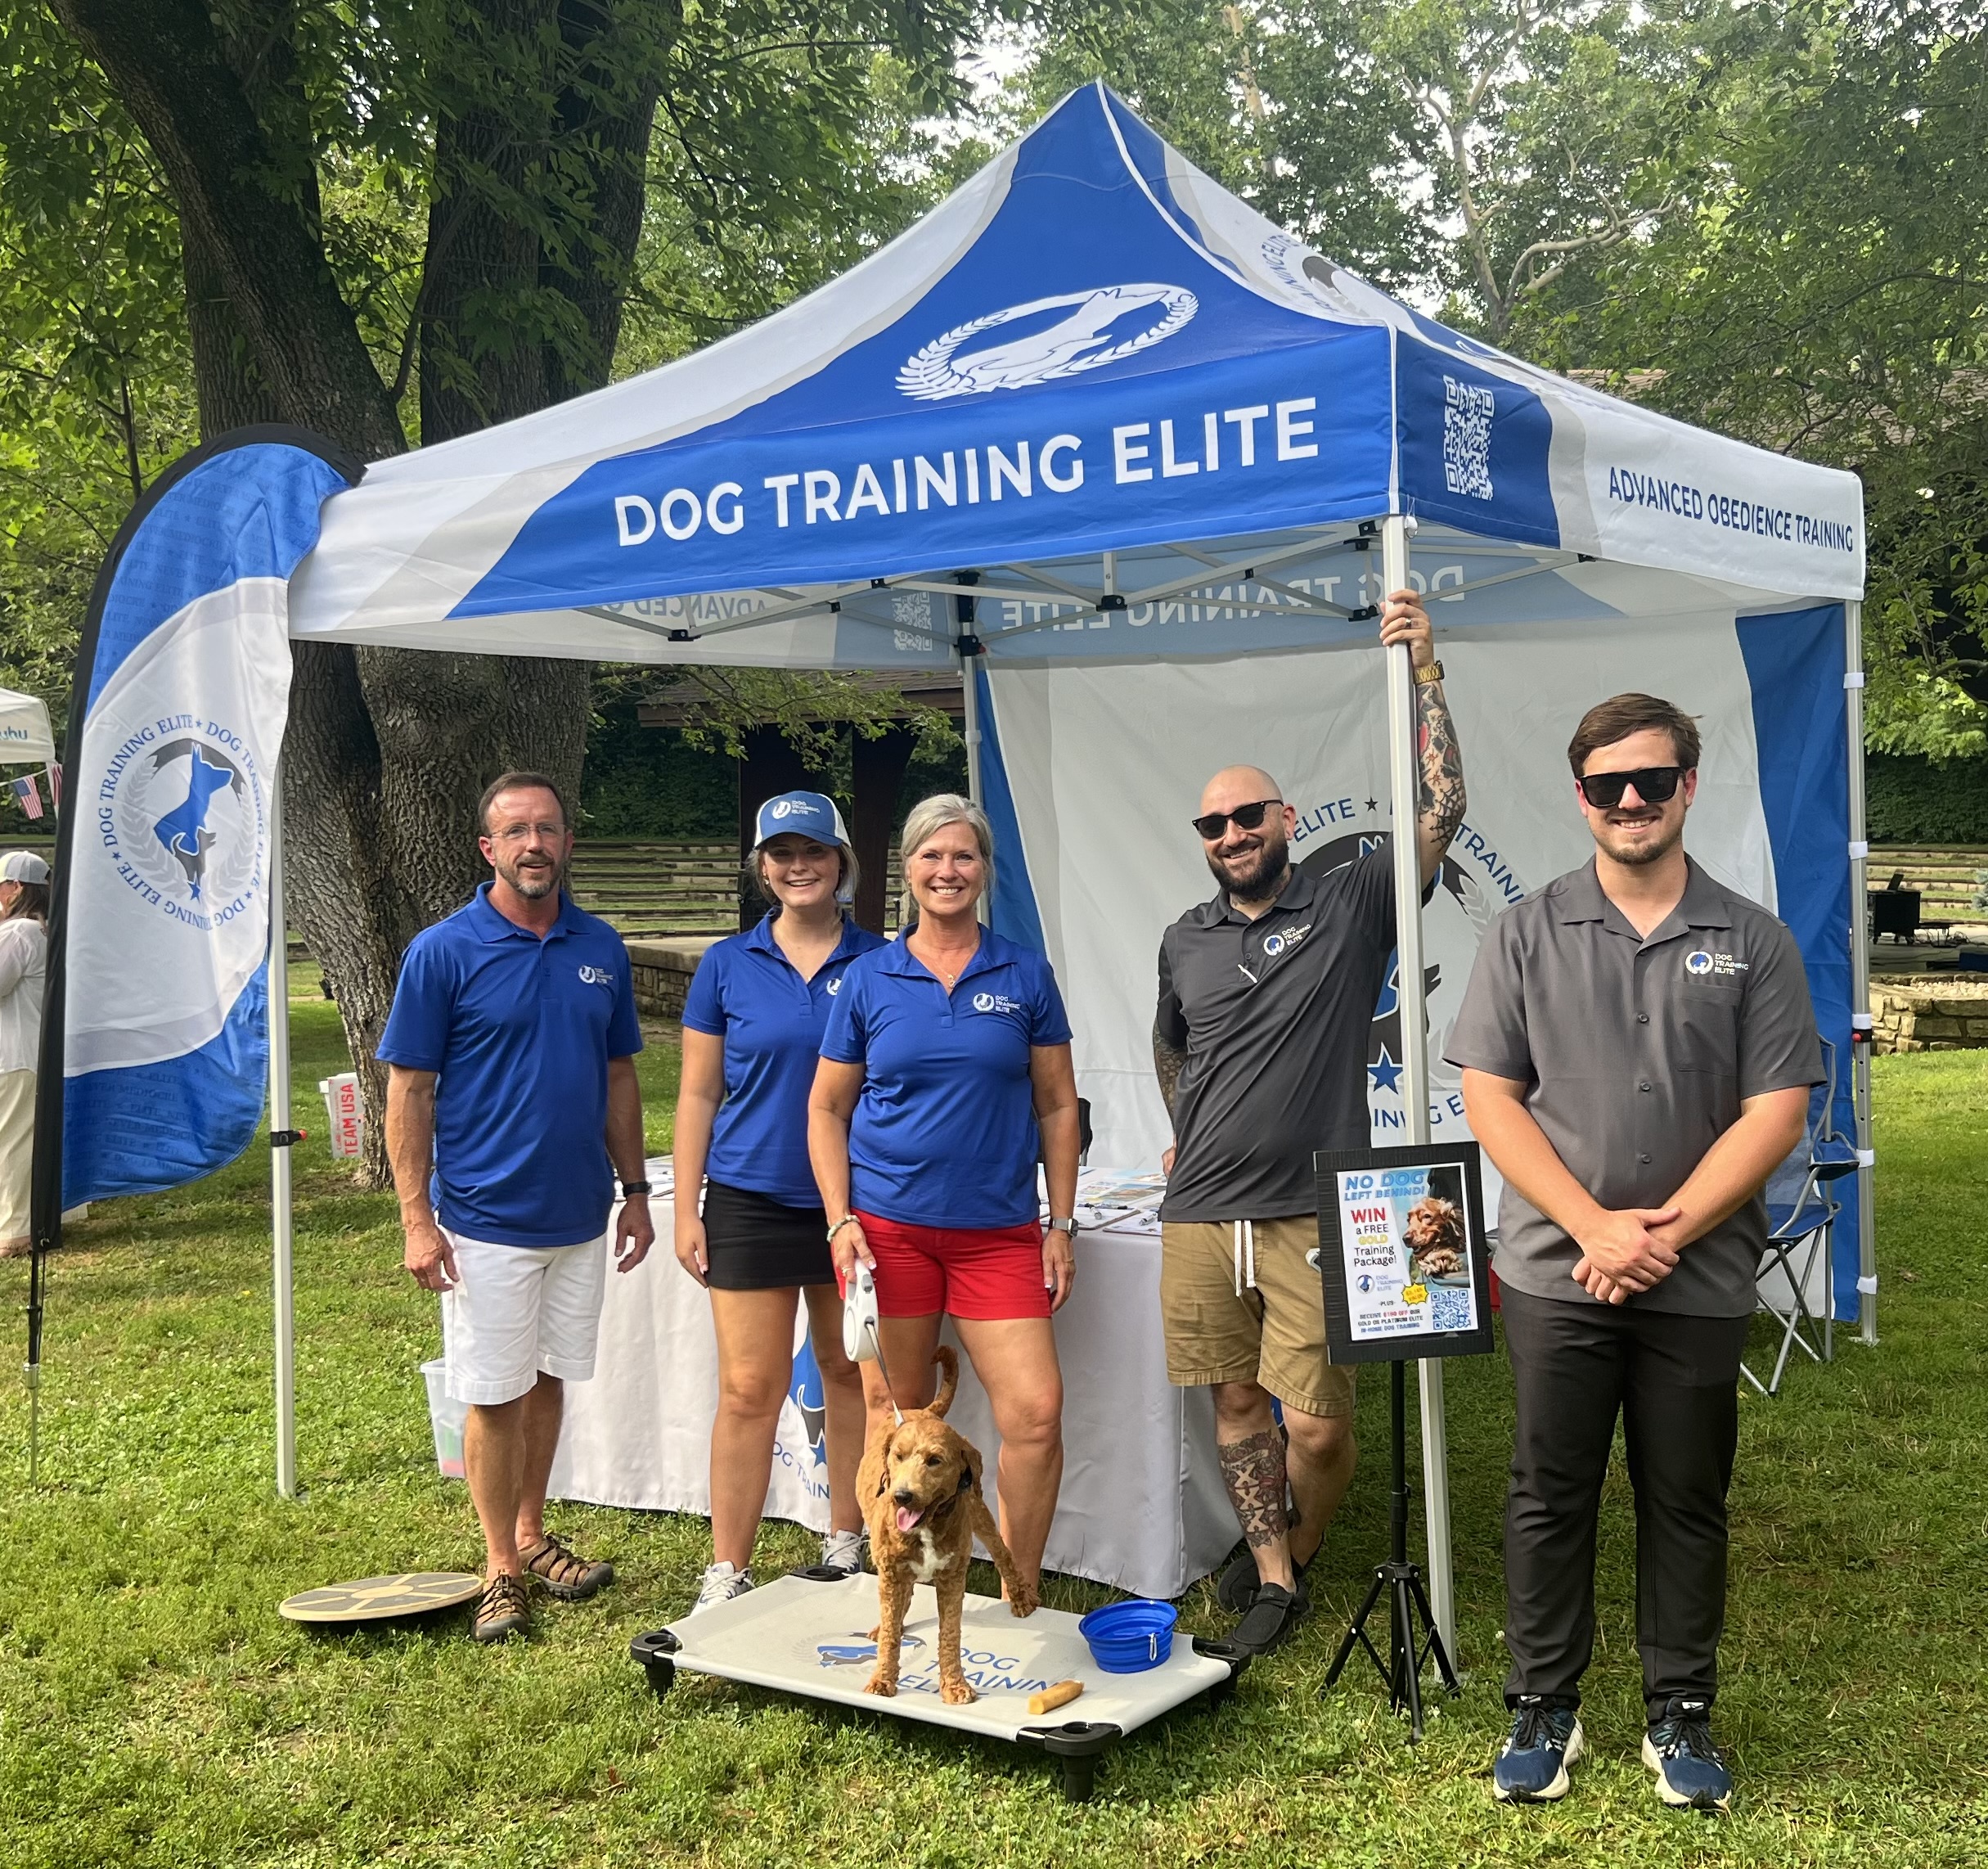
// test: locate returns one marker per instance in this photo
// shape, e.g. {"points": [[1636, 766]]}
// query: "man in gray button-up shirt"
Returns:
{"points": [[1637, 1048]]}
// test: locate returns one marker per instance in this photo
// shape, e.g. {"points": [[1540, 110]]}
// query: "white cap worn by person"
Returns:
{"points": [[803, 814], [23, 867]]}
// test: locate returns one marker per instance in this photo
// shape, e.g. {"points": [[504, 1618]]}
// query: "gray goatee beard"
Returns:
{"points": [[534, 885]]}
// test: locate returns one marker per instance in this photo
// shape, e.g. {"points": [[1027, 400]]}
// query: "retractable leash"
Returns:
{"points": [[861, 1342]]}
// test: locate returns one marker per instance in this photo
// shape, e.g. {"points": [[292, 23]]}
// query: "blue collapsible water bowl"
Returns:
{"points": [[1130, 1637]]}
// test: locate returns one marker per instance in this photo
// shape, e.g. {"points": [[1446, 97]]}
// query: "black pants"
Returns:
{"points": [[1675, 1380]]}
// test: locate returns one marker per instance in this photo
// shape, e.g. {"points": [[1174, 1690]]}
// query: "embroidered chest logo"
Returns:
{"points": [[995, 1002], [596, 976], [835, 986], [1275, 944], [1723, 966]]}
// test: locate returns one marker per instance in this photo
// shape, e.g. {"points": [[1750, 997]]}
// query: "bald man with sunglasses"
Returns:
{"points": [[1267, 999]]}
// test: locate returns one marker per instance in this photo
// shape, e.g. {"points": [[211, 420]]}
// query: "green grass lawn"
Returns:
{"points": [[154, 1710]]}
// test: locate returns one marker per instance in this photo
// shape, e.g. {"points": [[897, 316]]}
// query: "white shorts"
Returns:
{"points": [[517, 1310]]}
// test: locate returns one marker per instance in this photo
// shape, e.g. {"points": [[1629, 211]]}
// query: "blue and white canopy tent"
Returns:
{"points": [[1096, 432]]}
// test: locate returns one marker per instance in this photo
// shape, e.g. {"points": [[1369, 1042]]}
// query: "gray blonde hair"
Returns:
{"points": [[930, 815]]}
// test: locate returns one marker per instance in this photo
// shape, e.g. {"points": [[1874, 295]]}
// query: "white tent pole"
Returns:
{"points": [[1859, 974], [279, 1158], [1404, 773], [969, 713]]}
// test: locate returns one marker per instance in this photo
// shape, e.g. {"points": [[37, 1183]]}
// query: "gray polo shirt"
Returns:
{"points": [[1273, 1015], [1638, 1054]]}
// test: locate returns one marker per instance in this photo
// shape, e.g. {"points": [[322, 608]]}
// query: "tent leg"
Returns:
{"points": [[1860, 980], [968, 646], [280, 1140], [1404, 773]]}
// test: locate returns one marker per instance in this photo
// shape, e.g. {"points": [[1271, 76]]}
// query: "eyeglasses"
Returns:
{"points": [[1655, 785], [1245, 818]]}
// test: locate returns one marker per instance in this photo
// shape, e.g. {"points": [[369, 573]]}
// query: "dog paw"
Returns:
{"points": [[1024, 1602], [884, 1686], [956, 1693]]}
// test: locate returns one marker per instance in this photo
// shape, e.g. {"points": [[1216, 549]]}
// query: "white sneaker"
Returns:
{"points": [[721, 1584], [843, 1551]]}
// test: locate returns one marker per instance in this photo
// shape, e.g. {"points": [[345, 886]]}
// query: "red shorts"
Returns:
{"points": [[989, 1272]]}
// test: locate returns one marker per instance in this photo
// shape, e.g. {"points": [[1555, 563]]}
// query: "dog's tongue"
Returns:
{"points": [[907, 1520]]}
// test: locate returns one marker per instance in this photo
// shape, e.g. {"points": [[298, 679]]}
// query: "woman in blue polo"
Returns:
{"points": [[945, 1073], [752, 1025]]}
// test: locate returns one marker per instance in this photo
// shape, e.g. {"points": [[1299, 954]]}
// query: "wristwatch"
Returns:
{"points": [[1068, 1225], [1427, 678], [628, 1187]]}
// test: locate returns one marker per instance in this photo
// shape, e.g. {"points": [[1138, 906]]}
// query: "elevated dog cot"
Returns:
{"points": [[807, 1633]]}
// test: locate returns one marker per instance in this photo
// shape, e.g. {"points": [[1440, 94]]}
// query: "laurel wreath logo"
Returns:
{"points": [[931, 373]]}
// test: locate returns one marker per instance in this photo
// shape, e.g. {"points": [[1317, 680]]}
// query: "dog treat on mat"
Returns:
{"points": [[1051, 1698]]}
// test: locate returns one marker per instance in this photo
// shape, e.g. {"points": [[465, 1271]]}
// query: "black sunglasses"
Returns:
{"points": [[1246, 817], [1655, 785]]}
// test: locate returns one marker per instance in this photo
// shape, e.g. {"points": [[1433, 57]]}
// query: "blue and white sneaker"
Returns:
{"points": [[1678, 1749], [1531, 1767]]}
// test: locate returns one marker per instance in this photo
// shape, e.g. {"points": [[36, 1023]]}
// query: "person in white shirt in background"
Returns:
{"points": [[24, 970]]}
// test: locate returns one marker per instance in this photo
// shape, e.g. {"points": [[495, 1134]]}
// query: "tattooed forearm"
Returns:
{"points": [[1253, 1470], [1442, 775], [1167, 1063]]}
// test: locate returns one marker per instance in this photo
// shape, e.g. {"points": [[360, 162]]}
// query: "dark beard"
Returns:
{"points": [[1264, 878]]}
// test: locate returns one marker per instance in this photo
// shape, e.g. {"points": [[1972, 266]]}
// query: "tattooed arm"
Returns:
{"points": [[1441, 809], [1169, 1044]]}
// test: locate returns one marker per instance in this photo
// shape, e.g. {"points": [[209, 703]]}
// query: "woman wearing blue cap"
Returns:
{"points": [[752, 1026]]}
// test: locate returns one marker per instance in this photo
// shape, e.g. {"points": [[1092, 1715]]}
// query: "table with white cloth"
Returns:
{"points": [[1141, 1506]]}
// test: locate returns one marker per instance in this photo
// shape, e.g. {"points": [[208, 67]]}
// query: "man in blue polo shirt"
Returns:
{"points": [[511, 1048]]}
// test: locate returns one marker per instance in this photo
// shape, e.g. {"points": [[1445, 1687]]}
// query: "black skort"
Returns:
{"points": [[754, 1243]]}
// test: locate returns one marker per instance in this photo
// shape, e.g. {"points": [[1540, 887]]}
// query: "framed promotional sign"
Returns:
{"points": [[1403, 1253]]}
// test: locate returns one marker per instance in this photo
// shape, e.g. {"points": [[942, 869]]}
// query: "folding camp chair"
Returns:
{"points": [[1802, 1212]]}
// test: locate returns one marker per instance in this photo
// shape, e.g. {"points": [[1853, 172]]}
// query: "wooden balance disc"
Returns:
{"points": [[376, 1599]]}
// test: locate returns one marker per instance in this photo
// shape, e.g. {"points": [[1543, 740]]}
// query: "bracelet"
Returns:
{"points": [[847, 1220], [1428, 677], [628, 1187]]}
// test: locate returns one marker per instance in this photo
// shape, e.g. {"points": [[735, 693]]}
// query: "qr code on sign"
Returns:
{"points": [[1449, 1308], [1467, 409]]}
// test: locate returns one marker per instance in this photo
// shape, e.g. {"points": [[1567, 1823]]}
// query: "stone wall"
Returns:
{"points": [[663, 970], [1943, 1015]]}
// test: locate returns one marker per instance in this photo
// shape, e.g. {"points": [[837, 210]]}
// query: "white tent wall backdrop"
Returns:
{"points": [[1143, 465]]}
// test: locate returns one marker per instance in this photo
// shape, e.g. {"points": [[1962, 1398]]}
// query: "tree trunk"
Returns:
{"points": [[388, 749]]}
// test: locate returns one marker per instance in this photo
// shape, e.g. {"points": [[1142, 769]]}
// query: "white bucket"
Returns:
{"points": [[447, 1416]]}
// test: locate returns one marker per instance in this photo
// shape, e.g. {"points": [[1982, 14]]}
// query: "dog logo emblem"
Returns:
{"points": [[983, 1002], [184, 829], [1099, 326], [1699, 963], [596, 976], [835, 986], [784, 808]]}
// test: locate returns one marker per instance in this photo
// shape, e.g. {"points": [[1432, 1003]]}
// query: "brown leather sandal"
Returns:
{"points": [[503, 1609], [564, 1574]]}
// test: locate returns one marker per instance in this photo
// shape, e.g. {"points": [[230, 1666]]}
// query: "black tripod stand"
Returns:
{"points": [[1401, 1581]]}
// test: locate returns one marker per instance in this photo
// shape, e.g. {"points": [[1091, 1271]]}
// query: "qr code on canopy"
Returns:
{"points": [[1449, 1308], [1466, 412]]}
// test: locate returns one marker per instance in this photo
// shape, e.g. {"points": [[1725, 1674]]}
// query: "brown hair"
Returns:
{"points": [[519, 782], [1612, 720], [32, 900]]}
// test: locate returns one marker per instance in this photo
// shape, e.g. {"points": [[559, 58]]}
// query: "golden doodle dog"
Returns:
{"points": [[1433, 1232], [919, 1484]]}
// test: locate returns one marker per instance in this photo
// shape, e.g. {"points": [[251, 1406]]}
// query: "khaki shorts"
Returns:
{"points": [[1274, 1334]]}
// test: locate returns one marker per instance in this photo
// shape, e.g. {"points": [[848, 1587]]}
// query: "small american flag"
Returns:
{"points": [[29, 794]]}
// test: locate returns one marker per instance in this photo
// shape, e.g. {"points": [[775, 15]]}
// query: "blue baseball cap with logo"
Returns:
{"points": [[800, 814]]}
